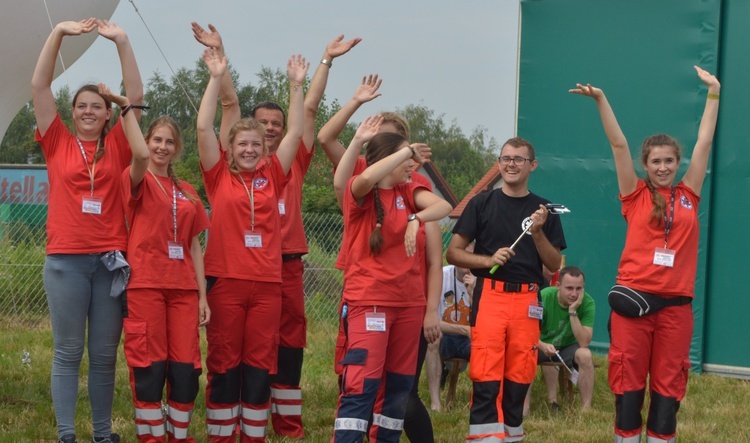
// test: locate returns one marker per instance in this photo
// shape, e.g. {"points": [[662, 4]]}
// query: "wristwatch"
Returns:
{"points": [[413, 217], [573, 314]]}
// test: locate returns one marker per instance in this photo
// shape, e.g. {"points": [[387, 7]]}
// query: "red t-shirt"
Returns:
{"points": [[151, 222], [391, 278], [293, 240], [69, 230], [418, 178], [226, 252], [637, 269], [340, 264]]}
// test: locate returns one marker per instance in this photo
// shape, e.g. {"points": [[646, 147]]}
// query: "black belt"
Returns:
{"points": [[290, 257], [515, 287]]}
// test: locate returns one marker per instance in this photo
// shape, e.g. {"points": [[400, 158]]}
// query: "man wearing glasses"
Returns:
{"points": [[506, 312]]}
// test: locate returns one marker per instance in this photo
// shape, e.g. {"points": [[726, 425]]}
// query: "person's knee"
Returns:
{"points": [[584, 359]]}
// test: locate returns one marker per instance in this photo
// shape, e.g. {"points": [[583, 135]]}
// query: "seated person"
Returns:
{"points": [[454, 311], [567, 328]]}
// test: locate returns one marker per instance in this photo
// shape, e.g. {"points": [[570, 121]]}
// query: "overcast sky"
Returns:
{"points": [[457, 58]]}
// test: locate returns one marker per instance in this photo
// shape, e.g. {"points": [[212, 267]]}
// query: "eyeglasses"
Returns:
{"points": [[518, 161]]}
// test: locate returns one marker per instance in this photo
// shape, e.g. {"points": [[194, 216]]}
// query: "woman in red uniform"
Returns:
{"points": [[657, 272], [85, 227], [243, 256], [167, 290], [384, 286]]}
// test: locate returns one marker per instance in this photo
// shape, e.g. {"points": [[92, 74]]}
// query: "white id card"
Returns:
{"points": [[175, 250], [282, 208], [536, 312], [375, 321], [574, 377], [253, 239], [91, 205], [664, 257]]}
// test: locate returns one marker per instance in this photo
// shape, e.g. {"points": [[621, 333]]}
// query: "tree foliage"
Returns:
{"points": [[461, 159]]}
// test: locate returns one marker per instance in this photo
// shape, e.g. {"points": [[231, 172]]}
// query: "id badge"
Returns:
{"points": [[574, 377], [91, 205], [253, 239], [175, 250], [664, 257], [536, 312], [282, 208], [375, 321]]}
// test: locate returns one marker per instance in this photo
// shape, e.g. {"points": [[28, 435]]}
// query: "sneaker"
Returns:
{"points": [[69, 438], [113, 438]]}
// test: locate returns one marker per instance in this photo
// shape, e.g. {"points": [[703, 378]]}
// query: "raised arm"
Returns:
{"points": [[335, 48], [208, 148], [627, 179], [131, 76], [329, 133], [41, 81], [696, 172], [296, 70], [230, 102], [133, 133], [348, 161]]}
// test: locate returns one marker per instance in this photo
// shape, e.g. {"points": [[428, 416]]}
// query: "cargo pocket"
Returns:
{"points": [[615, 371], [682, 380], [478, 363], [136, 343], [353, 357], [530, 367], [340, 353]]}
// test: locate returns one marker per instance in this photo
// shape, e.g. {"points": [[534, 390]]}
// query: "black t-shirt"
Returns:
{"points": [[495, 220]]}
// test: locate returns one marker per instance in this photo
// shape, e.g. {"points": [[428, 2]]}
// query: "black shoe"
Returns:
{"points": [[554, 407], [113, 438], [69, 438]]}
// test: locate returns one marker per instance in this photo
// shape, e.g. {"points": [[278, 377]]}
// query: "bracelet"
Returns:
{"points": [[129, 107], [413, 152], [712, 96], [327, 63], [573, 314]]}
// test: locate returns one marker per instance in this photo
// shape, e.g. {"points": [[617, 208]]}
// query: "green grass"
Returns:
{"points": [[715, 409]]}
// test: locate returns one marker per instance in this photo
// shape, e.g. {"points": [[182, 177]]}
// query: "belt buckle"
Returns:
{"points": [[511, 287]]}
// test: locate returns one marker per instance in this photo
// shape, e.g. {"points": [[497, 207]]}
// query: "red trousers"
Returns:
{"points": [[286, 394], [656, 347], [162, 343], [242, 347], [503, 361]]}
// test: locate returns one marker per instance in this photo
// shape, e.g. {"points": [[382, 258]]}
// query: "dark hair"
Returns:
{"points": [[379, 147], [167, 121], [518, 142], [107, 125], [660, 204], [573, 271], [273, 106]]}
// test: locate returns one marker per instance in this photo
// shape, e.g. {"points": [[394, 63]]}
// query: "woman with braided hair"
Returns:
{"points": [[383, 283], [657, 272], [166, 301]]}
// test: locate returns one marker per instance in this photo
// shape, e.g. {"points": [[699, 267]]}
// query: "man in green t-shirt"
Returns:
{"points": [[567, 328]]}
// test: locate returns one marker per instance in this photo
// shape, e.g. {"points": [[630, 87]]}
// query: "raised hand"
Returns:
{"points": [[77, 28], [424, 151], [368, 128], [367, 91], [538, 218], [588, 91], [296, 69], [119, 100], [338, 48], [710, 80], [212, 39], [110, 31], [216, 65]]}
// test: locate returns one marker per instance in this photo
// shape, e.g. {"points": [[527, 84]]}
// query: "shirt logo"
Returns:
{"points": [[260, 183], [525, 224], [400, 203], [181, 196], [687, 204]]}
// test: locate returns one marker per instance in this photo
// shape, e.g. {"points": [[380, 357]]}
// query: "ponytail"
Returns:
{"points": [[376, 238], [176, 182]]}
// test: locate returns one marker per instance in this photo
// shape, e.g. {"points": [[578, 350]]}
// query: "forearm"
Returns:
{"points": [[207, 143], [345, 168], [131, 75], [434, 256], [450, 328], [45, 65], [582, 334], [196, 252], [329, 133], [456, 254], [379, 170], [609, 122], [230, 107], [549, 254]]}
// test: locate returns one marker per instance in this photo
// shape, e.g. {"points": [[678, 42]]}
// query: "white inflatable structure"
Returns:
{"points": [[26, 27]]}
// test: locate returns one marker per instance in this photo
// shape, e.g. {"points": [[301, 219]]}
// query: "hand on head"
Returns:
{"points": [[119, 100], [424, 151], [367, 91]]}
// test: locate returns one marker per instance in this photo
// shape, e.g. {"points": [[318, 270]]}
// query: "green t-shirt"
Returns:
{"points": [[556, 322]]}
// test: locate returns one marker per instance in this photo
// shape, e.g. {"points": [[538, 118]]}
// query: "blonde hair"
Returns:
{"points": [[245, 124], [167, 121]]}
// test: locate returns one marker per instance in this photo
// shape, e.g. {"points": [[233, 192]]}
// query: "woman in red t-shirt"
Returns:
{"points": [[658, 265], [167, 291], [85, 227], [243, 257], [384, 287]]}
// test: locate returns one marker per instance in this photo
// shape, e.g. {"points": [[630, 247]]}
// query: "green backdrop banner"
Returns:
{"points": [[641, 53]]}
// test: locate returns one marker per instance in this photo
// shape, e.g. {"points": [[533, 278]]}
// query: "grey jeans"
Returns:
{"points": [[78, 287]]}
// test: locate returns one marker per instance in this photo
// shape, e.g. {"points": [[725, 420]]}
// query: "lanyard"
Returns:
{"points": [[251, 197], [174, 202], [668, 221], [91, 170]]}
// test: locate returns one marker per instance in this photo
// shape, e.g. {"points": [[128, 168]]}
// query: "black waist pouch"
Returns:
{"points": [[632, 303]]}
